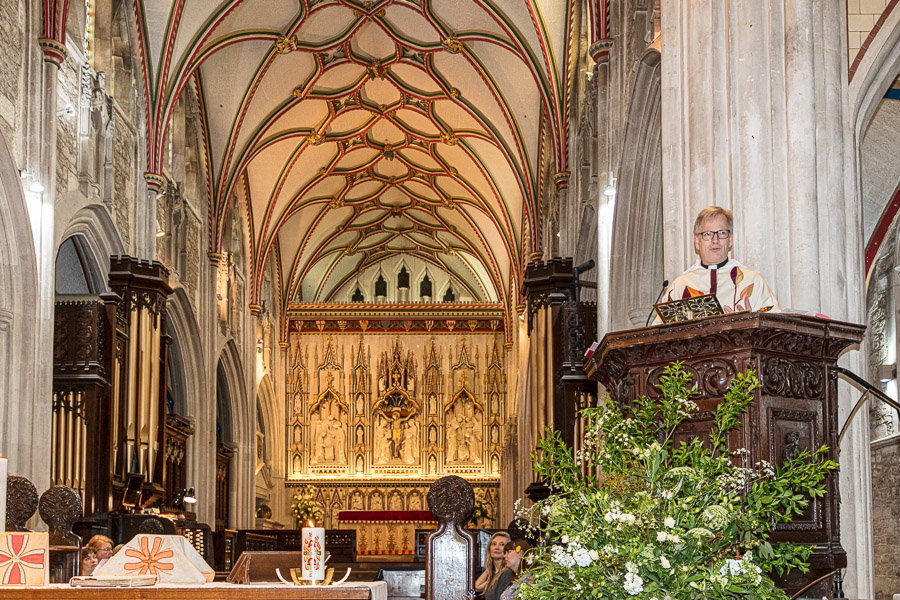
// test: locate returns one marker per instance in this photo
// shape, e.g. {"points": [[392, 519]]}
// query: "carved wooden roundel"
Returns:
{"points": [[60, 507], [21, 502], [451, 498]]}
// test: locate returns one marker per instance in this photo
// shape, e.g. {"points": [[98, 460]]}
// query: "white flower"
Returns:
{"points": [[582, 557], [565, 539], [669, 522], [660, 536], [664, 562], [594, 555], [634, 585]]}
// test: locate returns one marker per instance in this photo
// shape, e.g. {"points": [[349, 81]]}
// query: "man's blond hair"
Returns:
{"points": [[711, 212]]}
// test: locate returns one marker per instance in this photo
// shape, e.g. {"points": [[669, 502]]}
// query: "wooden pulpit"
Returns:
{"points": [[795, 407]]}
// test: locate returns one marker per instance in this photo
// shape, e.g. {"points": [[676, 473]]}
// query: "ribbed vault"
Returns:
{"points": [[357, 131]]}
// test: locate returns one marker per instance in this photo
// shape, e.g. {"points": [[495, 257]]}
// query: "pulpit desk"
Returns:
{"points": [[374, 590]]}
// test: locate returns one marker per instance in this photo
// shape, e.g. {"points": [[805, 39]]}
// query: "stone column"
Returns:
{"points": [[145, 217], [34, 453], [563, 239], [599, 52], [202, 448], [754, 118]]}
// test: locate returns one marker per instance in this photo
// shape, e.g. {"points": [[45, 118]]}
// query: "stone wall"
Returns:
{"points": [[68, 92], [124, 166], [12, 50], [886, 515]]}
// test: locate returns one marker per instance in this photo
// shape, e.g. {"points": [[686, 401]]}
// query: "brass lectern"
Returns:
{"points": [[795, 406]]}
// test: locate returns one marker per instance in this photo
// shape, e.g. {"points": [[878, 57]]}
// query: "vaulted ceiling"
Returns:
{"points": [[355, 131]]}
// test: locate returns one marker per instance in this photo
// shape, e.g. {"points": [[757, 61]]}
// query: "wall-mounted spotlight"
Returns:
{"points": [[68, 111], [160, 232], [35, 186], [610, 188]]}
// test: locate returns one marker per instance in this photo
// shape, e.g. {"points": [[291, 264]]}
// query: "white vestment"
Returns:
{"points": [[737, 287]]}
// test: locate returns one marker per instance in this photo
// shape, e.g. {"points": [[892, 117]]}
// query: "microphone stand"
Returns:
{"points": [[650, 316]]}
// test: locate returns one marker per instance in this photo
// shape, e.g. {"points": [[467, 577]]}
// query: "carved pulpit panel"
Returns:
{"points": [[451, 550], [794, 409]]}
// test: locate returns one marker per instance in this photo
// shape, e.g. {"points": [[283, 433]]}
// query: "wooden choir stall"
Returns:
{"points": [[795, 407]]}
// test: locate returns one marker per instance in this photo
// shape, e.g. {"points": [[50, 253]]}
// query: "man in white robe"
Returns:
{"points": [[735, 286]]}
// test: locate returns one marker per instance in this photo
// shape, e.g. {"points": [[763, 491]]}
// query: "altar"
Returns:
{"points": [[357, 590], [386, 532]]}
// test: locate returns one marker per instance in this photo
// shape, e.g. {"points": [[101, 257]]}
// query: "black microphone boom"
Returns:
{"points": [[585, 266], [664, 286]]}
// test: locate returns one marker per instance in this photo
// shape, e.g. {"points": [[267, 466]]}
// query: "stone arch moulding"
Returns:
{"points": [[636, 262], [875, 71], [265, 393], [24, 423], [242, 417], [181, 324], [96, 227]]}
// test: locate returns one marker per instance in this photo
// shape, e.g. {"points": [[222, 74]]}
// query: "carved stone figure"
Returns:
{"points": [[791, 446], [382, 442], [410, 448], [452, 428], [334, 437]]}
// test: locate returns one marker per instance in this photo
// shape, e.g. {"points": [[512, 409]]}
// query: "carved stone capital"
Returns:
{"points": [[54, 51]]}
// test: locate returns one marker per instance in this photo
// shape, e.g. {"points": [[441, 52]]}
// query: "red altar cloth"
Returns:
{"points": [[386, 516]]}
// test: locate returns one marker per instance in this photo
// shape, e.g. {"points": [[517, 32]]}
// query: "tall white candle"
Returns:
{"points": [[313, 545], [4, 468]]}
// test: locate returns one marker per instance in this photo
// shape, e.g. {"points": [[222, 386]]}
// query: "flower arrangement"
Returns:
{"points": [[665, 521], [305, 508]]}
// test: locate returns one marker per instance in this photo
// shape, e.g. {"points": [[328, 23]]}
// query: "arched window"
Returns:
{"points": [[425, 287], [358, 295], [381, 286], [403, 279], [449, 296]]}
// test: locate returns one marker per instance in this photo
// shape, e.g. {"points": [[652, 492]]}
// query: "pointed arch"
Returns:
{"points": [[24, 406], [237, 415], [95, 226], [636, 259]]}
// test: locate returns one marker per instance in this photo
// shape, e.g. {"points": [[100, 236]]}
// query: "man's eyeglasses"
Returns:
{"points": [[722, 234]]}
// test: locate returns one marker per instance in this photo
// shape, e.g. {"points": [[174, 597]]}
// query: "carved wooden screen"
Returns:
{"points": [[223, 468], [178, 430], [80, 425]]}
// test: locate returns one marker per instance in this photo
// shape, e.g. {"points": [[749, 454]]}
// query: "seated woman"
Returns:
{"points": [[513, 551], [88, 560], [494, 562], [103, 546]]}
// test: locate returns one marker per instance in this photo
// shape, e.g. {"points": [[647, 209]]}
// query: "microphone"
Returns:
{"points": [[664, 286], [585, 266]]}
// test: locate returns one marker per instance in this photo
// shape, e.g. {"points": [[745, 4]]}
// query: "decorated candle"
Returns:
{"points": [[313, 545], [3, 472]]}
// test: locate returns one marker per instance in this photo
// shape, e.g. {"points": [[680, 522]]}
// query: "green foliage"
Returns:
{"points": [[305, 508], [665, 519]]}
